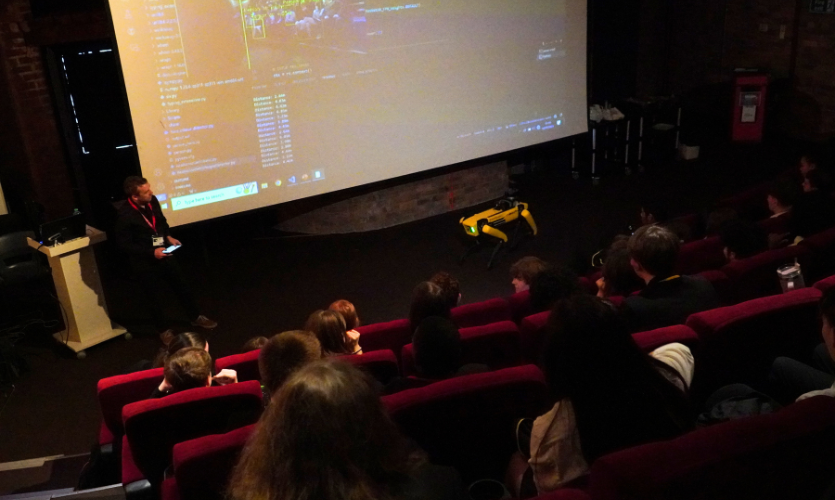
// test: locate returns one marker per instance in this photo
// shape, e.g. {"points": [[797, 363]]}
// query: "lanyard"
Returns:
{"points": [[152, 222], [675, 276]]}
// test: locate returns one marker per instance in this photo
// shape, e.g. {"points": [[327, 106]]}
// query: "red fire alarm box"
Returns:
{"points": [[749, 107]]}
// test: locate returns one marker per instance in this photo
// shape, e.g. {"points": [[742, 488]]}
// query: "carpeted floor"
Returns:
{"points": [[254, 281]]}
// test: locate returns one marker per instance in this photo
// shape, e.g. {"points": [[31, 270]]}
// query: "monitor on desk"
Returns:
{"points": [[63, 230]]}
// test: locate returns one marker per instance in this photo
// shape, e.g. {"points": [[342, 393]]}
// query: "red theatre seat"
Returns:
{"points": [[154, 426], [391, 335], [564, 494], [467, 422], [825, 284], [787, 454], [700, 255], [822, 260], [738, 343], [520, 305], [382, 365], [481, 313], [757, 276], [202, 466], [532, 331], [653, 339], [116, 392], [496, 345], [246, 365]]}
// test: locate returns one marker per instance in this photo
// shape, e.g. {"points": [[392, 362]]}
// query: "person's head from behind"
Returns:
{"points": [[326, 435], [329, 328], [284, 354], [437, 348], [181, 341], [653, 213], [254, 344], [742, 239], [138, 189], [781, 196], [817, 180], [718, 218], [450, 286], [618, 277], [551, 285], [523, 271], [428, 299], [188, 368], [618, 397], [808, 162], [348, 312], [653, 251], [827, 310]]}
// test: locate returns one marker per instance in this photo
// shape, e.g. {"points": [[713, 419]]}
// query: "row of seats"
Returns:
{"points": [[787, 454]]}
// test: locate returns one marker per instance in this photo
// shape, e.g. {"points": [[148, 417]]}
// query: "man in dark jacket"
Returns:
{"points": [[668, 299], [143, 233]]}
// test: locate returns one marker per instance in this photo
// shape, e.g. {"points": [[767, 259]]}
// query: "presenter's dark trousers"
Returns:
{"points": [[154, 276]]}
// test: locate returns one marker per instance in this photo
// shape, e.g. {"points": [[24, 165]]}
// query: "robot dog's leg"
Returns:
{"points": [[493, 256], [470, 249]]}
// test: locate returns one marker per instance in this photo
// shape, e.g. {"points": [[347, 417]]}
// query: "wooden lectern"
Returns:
{"points": [[77, 282]]}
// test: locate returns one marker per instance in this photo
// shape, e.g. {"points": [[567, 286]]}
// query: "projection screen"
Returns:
{"points": [[241, 104]]}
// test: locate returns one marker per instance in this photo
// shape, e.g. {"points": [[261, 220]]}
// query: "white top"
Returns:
{"points": [[823, 392]]}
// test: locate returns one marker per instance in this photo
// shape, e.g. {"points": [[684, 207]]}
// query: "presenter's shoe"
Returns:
{"points": [[204, 322], [167, 336]]}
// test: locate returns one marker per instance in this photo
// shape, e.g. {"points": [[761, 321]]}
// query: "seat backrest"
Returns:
{"points": [[756, 276], [738, 343], [564, 494], [653, 339], [826, 283], [532, 336], [246, 365], [18, 261], [467, 422], [391, 335], [154, 426], [520, 305], [382, 364], [202, 466], [481, 313], [700, 255], [116, 392], [721, 283], [787, 454], [822, 247], [496, 345]]}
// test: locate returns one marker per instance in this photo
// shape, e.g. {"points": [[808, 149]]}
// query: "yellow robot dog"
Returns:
{"points": [[505, 211]]}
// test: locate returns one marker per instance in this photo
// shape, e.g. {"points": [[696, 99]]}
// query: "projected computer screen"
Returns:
{"points": [[240, 104]]}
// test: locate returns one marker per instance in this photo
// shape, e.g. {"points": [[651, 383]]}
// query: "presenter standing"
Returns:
{"points": [[142, 232]]}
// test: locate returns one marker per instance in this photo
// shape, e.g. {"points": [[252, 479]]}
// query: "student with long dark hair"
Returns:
{"points": [[327, 436], [428, 299], [329, 327], [610, 394]]}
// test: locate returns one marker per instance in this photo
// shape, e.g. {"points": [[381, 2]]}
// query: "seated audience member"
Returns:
{"points": [[428, 299], [450, 286], [668, 299], [781, 197], [327, 436], [611, 395], [523, 271], [283, 355], [654, 214], [742, 239], [551, 285], [815, 209], [180, 341], [791, 380], [717, 219], [190, 368], [352, 321], [329, 328], [438, 351], [254, 344], [808, 163], [618, 276]]}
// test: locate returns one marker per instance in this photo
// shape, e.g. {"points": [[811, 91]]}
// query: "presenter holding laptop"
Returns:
{"points": [[142, 232]]}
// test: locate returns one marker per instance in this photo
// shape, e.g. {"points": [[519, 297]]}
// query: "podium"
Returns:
{"points": [[77, 281]]}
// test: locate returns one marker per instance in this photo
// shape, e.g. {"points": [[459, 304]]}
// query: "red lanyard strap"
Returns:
{"points": [[152, 222]]}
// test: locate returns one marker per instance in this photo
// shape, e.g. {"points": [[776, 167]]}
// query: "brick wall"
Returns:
{"points": [[815, 72], [35, 164], [405, 203]]}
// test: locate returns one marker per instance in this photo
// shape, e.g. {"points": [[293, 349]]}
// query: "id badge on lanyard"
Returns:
{"points": [[156, 239]]}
